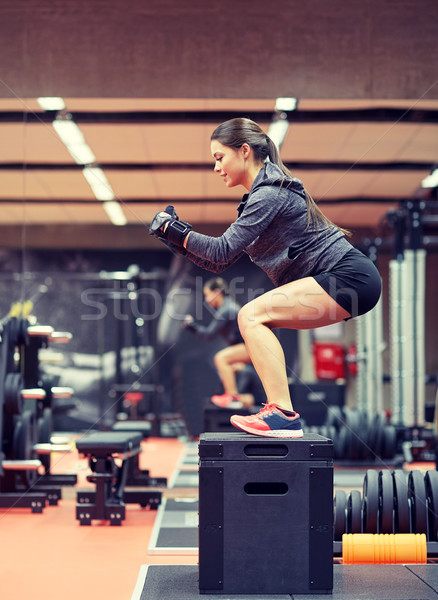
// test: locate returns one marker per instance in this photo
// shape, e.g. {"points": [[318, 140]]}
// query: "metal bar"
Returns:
{"points": [[395, 267], [207, 166], [419, 340], [387, 201], [409, 408], [21, 465], [367, 115]]}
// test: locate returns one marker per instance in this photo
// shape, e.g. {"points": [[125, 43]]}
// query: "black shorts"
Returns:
{"points": [[354, 282]]}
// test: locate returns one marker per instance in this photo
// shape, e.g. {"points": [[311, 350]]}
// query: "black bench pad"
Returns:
{"points": [[109, 442]]}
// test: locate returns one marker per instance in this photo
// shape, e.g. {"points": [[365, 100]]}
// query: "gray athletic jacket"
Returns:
{"points": [[224, 323], [272, 229]]}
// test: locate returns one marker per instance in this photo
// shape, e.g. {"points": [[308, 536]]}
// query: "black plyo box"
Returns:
{"points": [[265, 514]]}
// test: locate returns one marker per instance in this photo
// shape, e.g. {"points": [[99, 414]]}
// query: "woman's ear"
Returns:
{"points": [[246, 149]]}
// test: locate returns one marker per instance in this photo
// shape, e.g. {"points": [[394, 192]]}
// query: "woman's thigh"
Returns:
{"points": [[301, 304]]}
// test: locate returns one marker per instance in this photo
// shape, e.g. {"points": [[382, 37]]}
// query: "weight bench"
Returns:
{"points": [[107, 502], [136, 476]]}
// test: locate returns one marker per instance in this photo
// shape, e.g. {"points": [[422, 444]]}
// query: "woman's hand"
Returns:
{"points": [[166, 225]]}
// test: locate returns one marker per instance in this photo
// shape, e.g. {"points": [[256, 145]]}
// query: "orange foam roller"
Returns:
{"points": [[384, 549]]}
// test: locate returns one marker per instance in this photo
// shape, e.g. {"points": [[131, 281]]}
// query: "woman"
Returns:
{"points": [[228, 360], [319, 277]]}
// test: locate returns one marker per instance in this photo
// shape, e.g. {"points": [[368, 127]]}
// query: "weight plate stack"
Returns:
{"points": [[431, 482], [389, 445], [13, 385], [417, 497], [354, 512], [340, 443], [353, 424], [358, 437], [402, 518], [370, 502], [386, 502], [334, 417], [339, 515], [375, 434]]}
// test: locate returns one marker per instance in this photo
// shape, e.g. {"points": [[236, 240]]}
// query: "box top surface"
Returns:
{"points": [[243, 446], [241, 436]]}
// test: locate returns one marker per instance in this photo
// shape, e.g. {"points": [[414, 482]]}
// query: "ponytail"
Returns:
{"points": [[274, 157]]}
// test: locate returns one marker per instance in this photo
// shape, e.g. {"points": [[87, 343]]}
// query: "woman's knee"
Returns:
{"points": [[246, 318], [220, 359]]}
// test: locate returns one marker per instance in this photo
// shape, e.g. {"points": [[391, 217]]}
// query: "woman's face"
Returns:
{"points": [[229, 163], [213, 297]]}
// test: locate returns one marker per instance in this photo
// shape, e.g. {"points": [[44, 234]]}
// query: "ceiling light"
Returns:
{"points": [[115, 212], [431, 181], [286, 104], [98, 183], [280, 124], [74, 141], [51, 103], [277, 131]]}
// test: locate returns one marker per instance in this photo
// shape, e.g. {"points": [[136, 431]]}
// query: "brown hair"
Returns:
{"points": [[238, 131], [217, 283]]}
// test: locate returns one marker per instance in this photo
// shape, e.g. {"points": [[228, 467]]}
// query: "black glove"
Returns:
{"points": [[176, 230], [174, 249]]}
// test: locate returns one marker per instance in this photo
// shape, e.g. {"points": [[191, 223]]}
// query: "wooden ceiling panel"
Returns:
{"points": [[44, 184], [364, 142], [27, 213], [159, 104], [354, 104], [169, 184], [173, 143], [218, 212], [155, 184], [325, 185], [364, 214], [31, 143], [20, 104]]}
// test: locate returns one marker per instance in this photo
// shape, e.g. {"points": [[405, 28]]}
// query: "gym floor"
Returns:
{"points": [[50, 556]]}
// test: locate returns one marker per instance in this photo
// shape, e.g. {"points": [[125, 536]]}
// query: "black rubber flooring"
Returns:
{"points": [[351, 582]]}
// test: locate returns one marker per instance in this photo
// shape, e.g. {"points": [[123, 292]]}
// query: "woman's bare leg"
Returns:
{"points": [[301, 304], [224, 361]]}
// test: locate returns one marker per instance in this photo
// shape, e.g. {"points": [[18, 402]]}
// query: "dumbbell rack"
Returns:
{"points": [[392, 501], [21, 411], [39, 337], [16, 463]]}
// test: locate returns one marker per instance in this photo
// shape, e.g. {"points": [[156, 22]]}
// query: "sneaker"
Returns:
{"points": [[227, 401], [270, 422]]}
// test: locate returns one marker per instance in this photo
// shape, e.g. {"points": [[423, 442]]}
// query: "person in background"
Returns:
{"points": [[320, 277], [224, 323]]}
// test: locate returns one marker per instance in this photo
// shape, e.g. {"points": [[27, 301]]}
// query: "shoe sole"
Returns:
{"points": [[280, 433], [233, 404]]}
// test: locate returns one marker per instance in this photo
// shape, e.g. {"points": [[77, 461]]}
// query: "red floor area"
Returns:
{"points": [[50, 556]]}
